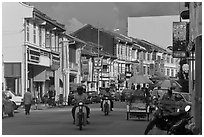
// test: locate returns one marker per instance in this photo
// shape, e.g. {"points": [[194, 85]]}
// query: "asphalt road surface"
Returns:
{"points": [[58, 121]]}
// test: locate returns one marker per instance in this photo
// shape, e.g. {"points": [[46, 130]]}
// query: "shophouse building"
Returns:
{"points": [[103, 50], [30, 48], [70, 64]]}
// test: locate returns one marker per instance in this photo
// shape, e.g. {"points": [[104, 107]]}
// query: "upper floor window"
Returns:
{"points": [[159, 58], [121, 50], [40, 36], [34, 33], [148, 70], [138, 55], [118, 49], [144, 56], [148, 56], [172, 60], [168, 72], [133, 54], [27, 30], [172, 72], [47, 38], [144, 69], [168, 59]]}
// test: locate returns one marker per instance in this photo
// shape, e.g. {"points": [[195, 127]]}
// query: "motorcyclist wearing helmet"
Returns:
{"points": [[107, 94], [80, 97]]}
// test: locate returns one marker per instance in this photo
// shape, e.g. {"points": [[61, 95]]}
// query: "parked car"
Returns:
{"points": [[7, 106], [17, 100], [182, 97], [180, 100]]}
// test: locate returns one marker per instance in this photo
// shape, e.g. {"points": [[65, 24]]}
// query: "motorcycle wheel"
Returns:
{"points": [[150, 126], [106, 109], [80, 122]]}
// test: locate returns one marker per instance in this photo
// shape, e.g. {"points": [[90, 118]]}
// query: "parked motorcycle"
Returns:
{"points": [[180, 127], [106, 106], [81, 119], [165, 121]]}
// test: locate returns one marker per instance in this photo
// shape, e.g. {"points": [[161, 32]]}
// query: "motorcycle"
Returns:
{"points": [[106, 106], [180, 127], [81, 119], [165, 121]]}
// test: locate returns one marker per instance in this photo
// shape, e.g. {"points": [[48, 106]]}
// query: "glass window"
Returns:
{"points": [[144, 69], [138, 55], [172, 72], [40, 36], [27, 30], [172, 60], [168, 72], [144, 55], [168, 59], [148, 70], [159, 58], [34, 33], [148, 56]]}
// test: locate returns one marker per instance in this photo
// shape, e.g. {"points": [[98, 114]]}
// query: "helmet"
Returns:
{"points": [[80, 90]]}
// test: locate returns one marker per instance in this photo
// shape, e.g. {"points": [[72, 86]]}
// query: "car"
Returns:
{"points": [[180, 101], [7, 106], [182, 97], [17, 100]]}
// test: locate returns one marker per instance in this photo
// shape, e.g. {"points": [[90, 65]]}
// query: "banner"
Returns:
{"points": [[180, 40], [85, 68]]}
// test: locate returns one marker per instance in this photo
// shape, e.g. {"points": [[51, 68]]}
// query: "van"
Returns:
{"points": [[17, 100]]}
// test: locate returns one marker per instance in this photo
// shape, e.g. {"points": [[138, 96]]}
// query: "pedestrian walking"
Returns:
{"points": [[27, 101], [51, 96]]}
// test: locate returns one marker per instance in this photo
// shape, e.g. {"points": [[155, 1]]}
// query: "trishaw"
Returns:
{"points": [[137, 107]]}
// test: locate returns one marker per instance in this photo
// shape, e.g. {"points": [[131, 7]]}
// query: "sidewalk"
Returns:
{"points": [[44, 107]]}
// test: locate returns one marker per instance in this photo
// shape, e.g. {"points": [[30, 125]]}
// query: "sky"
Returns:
{"points": [[106, 15], [158, 29]]}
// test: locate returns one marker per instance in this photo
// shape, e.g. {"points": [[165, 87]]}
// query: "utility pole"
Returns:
{"points": [[98, 60]]}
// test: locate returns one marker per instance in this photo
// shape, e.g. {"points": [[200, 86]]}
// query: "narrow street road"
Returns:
{"points": [[58, 121]]}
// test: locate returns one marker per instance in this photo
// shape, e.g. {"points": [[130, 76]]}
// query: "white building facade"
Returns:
{"points": [[30, 47]]}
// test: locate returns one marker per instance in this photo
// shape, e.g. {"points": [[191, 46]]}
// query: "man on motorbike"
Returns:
{"points": [[80, 96], [107, 94]]}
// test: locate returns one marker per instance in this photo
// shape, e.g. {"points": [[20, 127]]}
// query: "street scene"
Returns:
{"points": [[101, 68], [58, 121]]}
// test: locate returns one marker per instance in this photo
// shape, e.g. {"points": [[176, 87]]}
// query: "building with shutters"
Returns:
{"points": [[30, 48]]}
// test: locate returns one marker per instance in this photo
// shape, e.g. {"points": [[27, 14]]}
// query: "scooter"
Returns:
{"points": [[180, 127], [81, 119], [164, 121], [106, 106]]}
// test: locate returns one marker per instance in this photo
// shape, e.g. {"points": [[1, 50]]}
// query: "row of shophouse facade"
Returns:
{"points": [[38, 53]]}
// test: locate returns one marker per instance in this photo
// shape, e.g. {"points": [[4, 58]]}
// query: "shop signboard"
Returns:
{"points": [[84, 68], [180, 39]]}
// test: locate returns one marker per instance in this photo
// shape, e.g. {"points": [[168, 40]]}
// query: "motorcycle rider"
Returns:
{"points": [[163, 111], [80, 96], [107, 94]]}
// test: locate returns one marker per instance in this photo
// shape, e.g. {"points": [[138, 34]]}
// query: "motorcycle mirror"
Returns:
{"points": [[187, 108]]}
